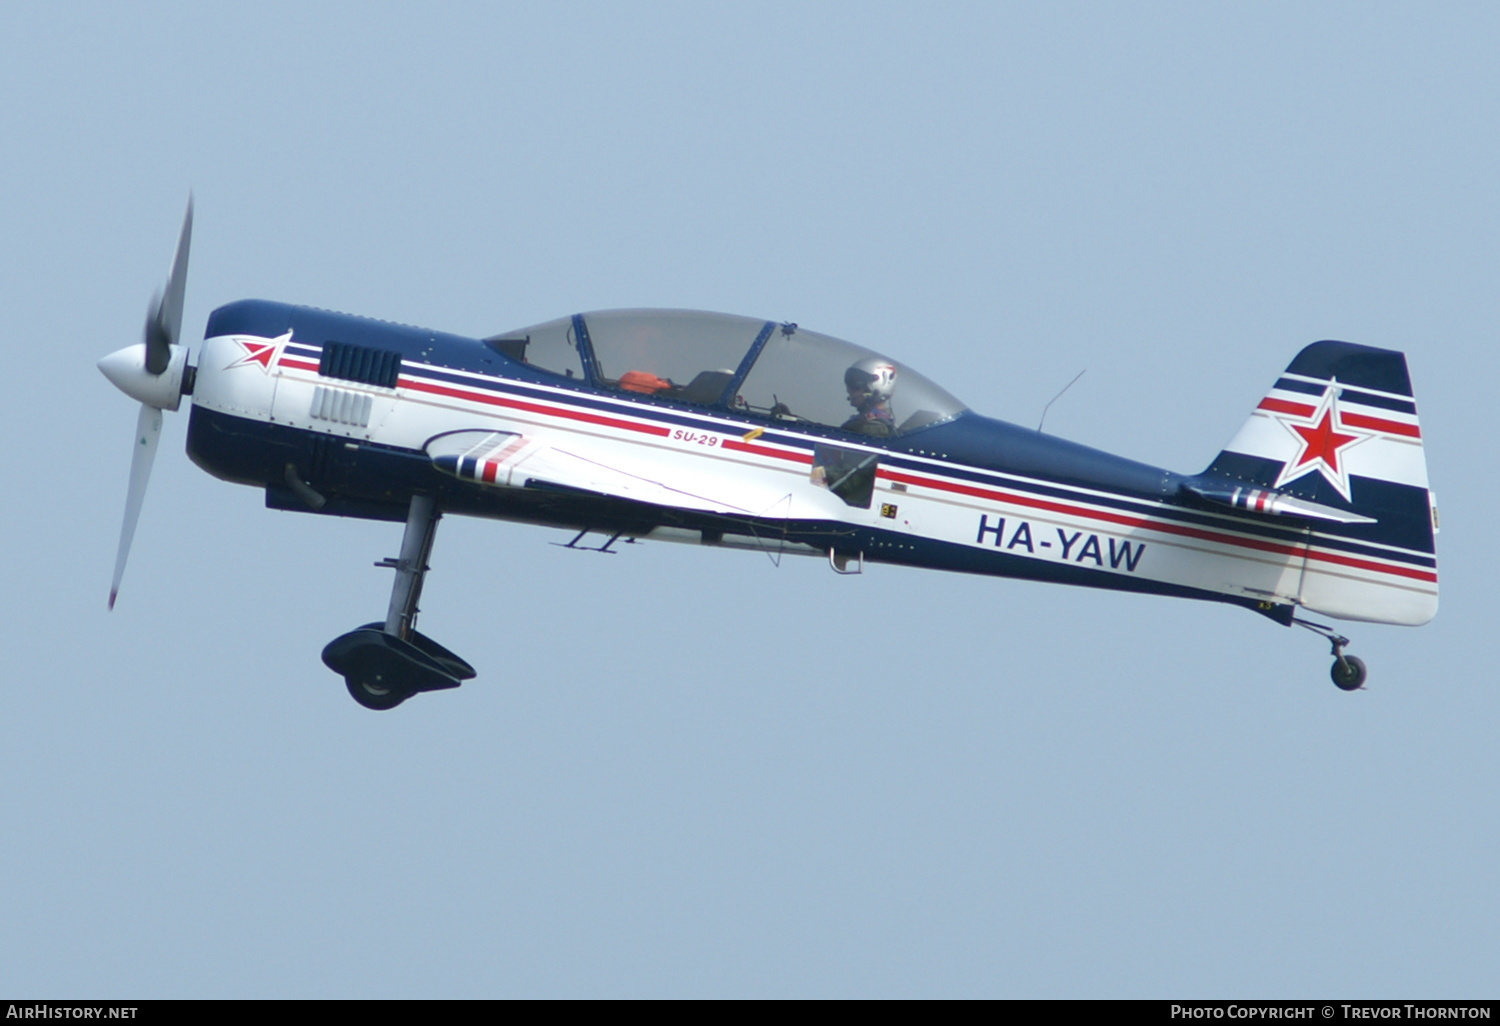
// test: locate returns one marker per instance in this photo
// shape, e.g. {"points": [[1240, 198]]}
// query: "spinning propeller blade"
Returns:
{"points": [[147, 433], [164, 318], [141, 372]]}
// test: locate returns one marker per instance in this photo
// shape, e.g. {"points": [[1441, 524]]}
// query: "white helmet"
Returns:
{"points": [[873, 376]]}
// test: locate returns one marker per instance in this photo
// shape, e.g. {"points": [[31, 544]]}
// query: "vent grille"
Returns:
{"points": [[380, 367], [341, 407]]}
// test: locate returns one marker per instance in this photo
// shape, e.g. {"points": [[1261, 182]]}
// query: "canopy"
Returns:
{"points": [[761, 368]]}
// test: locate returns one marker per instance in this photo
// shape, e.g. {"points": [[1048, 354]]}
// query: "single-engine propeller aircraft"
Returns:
{"points": [[735, 431]]}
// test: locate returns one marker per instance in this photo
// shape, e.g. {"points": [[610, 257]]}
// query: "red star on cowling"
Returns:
{"points": [[1321, 444], [259, 351]]}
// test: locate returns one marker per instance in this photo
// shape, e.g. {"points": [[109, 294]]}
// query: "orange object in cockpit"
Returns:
{"points": [[641, 381]]}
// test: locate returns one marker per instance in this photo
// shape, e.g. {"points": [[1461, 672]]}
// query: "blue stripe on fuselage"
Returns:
{"points": [[1049, 466], [646, 409]]}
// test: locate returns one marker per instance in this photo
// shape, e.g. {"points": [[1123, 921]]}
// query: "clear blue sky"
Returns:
{"points": [[688, 772]]}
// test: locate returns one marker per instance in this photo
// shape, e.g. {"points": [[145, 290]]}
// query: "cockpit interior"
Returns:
{"points": [[764, 369]]}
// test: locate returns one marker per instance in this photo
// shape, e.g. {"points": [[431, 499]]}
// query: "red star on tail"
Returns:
{"points": [[1321, 444]]}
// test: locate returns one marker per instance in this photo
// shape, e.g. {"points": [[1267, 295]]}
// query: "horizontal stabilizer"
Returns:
{"points": [[1271, 503], [482, 456]]}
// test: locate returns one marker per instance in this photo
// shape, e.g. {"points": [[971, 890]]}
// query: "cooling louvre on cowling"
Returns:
{"points": [[379, 367], [341, 407]]}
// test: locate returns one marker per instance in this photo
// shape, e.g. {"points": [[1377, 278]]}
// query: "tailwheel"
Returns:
{"points": [[1348, 672]]}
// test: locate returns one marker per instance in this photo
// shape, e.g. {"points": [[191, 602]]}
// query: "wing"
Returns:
{"points": [[687, 480]]}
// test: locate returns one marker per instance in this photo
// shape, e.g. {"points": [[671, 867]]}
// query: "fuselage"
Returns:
{"points": [[344, 415]]}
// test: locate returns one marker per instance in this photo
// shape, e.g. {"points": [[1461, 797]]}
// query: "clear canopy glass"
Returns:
{"points": [[551, 347], [760, 368], [801, 376], [675, 354]]}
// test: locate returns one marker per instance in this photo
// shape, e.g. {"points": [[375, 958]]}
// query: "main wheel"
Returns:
{"points": [[1348, 673], [373, 695]]}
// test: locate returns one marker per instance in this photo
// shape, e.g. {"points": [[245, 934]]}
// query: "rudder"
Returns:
{"points": [[1339, 429]]}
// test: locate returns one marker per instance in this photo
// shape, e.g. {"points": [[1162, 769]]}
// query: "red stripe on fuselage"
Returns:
{"points": [[736, 445], [1162, 527], [1122, 519], [492, 399]]}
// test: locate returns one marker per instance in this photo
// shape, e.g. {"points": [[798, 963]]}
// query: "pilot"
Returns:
{"points": [[870, 383]]}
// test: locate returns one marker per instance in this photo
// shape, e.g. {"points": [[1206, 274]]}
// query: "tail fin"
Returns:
{"points": [[1337, 441]]}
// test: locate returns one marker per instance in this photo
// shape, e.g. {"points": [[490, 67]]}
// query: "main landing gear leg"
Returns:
{"points": [[385, 664], [411, 566], [1348, 671]]}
